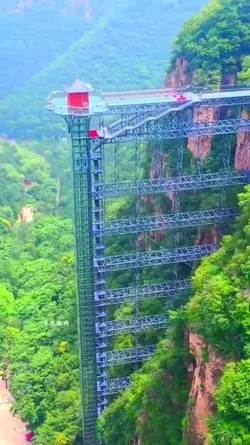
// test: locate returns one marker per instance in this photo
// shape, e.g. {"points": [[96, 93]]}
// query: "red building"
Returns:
{"points": [[27, 181], [78, 94]]}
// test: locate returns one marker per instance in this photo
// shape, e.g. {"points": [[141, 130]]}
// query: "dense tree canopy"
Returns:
{"points": [[216, 41]]}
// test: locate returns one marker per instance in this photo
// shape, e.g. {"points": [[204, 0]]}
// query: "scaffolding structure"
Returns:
{"points": [[140, 118]]}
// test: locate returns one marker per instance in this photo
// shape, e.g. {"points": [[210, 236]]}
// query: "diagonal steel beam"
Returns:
{"points": [[112, 386]]}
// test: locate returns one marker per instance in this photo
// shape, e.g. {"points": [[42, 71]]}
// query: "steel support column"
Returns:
{"points": [[137, 247], [100, 276], [85, 273], [226, 166], [177, 207]]}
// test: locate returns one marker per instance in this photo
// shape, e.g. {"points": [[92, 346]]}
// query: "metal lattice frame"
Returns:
{"points": [[84, 253], [113, 386], [176, 200], [136, 122], [100, 277], [130, 355], [159, 107], [172, 290], [132, 325], [168, 221], [153, 258], [164, 185], [162, 130], [137, 247], [226, 165]]}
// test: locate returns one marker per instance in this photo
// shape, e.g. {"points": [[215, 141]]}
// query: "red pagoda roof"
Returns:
{"points": [[78, 87]]}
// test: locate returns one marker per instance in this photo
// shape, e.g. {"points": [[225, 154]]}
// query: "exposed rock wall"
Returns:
{"points": [[158, 169], [179, 75], [206, 236], [206, 370], [242, 154], [26, 215], [201, 146]]}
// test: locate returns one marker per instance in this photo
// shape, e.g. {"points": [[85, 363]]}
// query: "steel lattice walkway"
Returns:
{"points": [[153, 258], [147, 323], [113, 386], [130, 355], [146, 292], [163, 131], [137, 116], [164, 185], [169, 221]]}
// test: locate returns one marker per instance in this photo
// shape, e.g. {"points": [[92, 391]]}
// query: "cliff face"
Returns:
{"points": [[158, 168], [205, 372], [201, 146], [206, 236], [181, 76], [26, 215], [242, 154]]}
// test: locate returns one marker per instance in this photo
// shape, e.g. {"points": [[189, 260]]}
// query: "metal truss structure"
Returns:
{"points": [[130, 355], [172, 289], [169, 221], [163, 130], [172, 184], [140, 324], [138, 120], [115, 385], [202, 102], [153, 258]]}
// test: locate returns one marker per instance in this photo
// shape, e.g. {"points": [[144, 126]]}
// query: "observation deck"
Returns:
{"points": [[148, 100]]}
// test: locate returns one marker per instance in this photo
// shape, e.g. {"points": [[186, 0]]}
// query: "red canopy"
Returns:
{"points": [[29, 436]]}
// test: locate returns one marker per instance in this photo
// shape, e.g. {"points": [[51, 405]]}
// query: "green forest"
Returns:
{"points": [[137, 37], [39, 347]]}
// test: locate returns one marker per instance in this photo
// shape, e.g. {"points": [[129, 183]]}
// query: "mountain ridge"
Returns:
{"points": [[112, 55]]}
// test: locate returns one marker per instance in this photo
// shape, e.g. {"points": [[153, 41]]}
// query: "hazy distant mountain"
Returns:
{"points": [[35, 32], [115, 45]]}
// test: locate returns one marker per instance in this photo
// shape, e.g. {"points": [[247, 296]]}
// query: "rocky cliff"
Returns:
{"points": [[181, 75], [205, 372], [242, 154]]}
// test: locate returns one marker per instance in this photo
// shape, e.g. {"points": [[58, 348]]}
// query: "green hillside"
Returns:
{"points": [[34, 33], [127, 48]]}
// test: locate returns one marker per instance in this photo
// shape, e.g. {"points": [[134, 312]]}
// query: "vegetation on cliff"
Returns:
{"points": [[216, 41], [155, 405], [38, 334]]}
